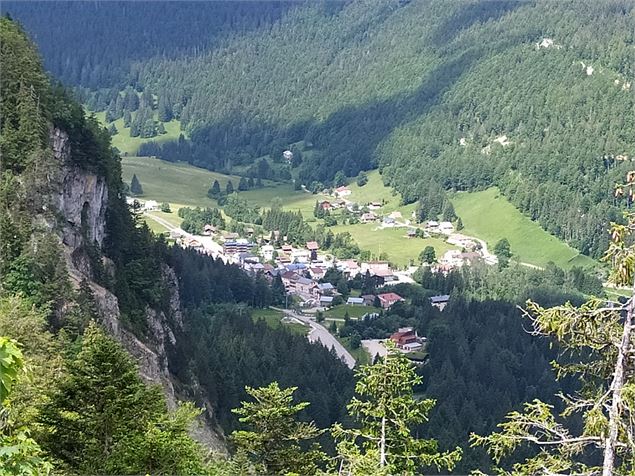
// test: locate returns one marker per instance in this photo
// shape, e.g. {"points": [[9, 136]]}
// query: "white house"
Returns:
{"points": [[288, 155], [150, 205], [342, 191], [446, 227], [267, 252]]}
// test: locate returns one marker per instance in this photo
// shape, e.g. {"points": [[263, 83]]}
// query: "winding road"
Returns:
{"points": [[319, 333]]}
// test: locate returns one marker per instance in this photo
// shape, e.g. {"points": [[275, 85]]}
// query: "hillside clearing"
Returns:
{"points": [[130, 145], [490, 216]]}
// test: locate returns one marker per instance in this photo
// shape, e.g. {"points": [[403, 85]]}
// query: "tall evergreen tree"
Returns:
{"points": [[386, 412], [274, 437], [105, 420], [229, 188], [135, 186]]}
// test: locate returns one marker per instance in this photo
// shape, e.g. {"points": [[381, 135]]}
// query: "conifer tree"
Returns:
{"points": [[104, 420], [229, 188], [135, 186], [272, 442], [214, 190], [386, 411]]}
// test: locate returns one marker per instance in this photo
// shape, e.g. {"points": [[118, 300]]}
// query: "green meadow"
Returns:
{"points": [[490, 216], [130, 145]]}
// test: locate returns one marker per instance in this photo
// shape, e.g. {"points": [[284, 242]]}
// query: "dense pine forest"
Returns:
{"points": [[532, 96]]}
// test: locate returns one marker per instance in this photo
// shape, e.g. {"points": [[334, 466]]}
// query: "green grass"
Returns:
{"points": [[354, 312], [393, 241], [360, 355], [291, 199], [176, 183], [490, 216], [130, 145], [274, 319]]}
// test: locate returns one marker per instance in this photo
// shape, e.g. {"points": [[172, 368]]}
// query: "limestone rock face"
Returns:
{"points": [[81, 201]]}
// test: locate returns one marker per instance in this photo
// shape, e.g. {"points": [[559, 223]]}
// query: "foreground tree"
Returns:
{"points": [[272, 444], [598, 347], [104, 420], [19, 453], [386, 412]]}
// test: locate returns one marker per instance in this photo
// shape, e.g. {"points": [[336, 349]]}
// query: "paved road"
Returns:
{"points": [[320, 333]]}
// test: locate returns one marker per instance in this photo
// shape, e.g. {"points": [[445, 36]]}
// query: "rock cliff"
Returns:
{"points": [[81, 202]]}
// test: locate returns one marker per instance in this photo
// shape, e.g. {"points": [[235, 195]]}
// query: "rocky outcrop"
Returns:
{"points": [[81, 201]]}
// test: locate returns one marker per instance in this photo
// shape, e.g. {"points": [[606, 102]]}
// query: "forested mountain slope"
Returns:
{"points": [[465, 94], [79, 271]]}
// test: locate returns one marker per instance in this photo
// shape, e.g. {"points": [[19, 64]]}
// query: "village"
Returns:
{"points": [[304, 270]]}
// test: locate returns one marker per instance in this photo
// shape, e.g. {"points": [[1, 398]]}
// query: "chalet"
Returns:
{"points": [[433, 226], [369, 299], [386, 300], [287, 155], [325, 289], [326, 301], [389, 221], [355, 301], [440, 301], [342, 191], [313, 248], [231, 236], [412, 232], [289, 279], [189, 242], [249, 231], [374, 205], [304, 286], [286, 248], [312, 245], [385, 276], [406, 338], [368, 217], [446, 227], [374, 266], [326, 205], [317, 272], [209, 230], [348, 267]]}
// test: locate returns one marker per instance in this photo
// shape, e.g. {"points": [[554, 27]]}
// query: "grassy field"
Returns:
{"points": [[393, 241], [354, 312], [130, 145], [273, 319], [490, 216], [176, 183]]}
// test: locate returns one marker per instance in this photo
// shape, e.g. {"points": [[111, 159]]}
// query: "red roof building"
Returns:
{"points": [[312, 245], [388, 299], [406, 338]]}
